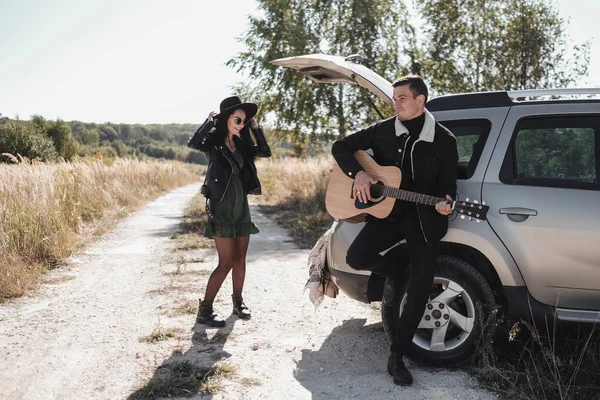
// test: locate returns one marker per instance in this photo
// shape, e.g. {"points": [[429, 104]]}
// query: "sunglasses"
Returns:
{"points": [[239, 121]]}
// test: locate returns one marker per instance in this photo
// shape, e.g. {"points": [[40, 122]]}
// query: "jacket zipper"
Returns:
{"points": [[412, 164]]}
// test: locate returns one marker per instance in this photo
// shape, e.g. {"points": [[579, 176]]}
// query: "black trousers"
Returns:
{"points": [[364, 254]]}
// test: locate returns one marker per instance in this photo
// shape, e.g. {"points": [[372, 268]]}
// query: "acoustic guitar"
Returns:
{"points": [[342, 205]]}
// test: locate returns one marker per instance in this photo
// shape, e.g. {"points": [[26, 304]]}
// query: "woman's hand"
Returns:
{"points": [[211, 116], [253, 123]]}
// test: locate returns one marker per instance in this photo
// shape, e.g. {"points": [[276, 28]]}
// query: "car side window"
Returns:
{"points": [[555, 152], [471, 135]]}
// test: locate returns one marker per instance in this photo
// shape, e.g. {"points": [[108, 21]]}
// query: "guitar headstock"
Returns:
{"points": [[471, 210]]}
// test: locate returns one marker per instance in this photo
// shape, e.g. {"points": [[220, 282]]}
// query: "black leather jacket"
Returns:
{"points": [[434, 157], [220, 162]]}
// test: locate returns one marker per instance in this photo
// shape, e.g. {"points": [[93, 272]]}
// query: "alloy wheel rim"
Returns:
{"points": [[448, 319]]}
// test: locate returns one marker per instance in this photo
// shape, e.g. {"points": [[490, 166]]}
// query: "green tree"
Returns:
{"points": [[124, 131], [120, 147], [169, 154], [90, 137], [26, 139], [285, 28], [108, 151], [196, 157], [108, 133], [61, 134], [158, 134], [79, 130], [40, 122], [138, 132], [463, 46], [478, 45]]}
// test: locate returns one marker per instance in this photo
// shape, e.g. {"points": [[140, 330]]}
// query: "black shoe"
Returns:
{"points": [[400, 373], [240, 308], [206, 315]]}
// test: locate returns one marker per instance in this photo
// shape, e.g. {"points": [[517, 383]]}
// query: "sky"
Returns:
{"points": [[152, 61]]}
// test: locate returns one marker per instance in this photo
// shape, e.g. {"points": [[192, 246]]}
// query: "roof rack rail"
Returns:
{"points": [[552, 92], [500, 98]]}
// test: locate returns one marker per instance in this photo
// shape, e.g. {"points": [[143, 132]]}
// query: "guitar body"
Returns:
{"points": [[339, 199]]}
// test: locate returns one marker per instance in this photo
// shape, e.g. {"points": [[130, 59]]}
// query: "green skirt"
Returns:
{"points": [[231, 214]]}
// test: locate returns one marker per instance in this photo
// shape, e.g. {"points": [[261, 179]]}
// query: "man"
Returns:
{"points": [[427, 155]]}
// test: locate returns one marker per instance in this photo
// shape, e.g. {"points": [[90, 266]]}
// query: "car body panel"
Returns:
{"points": [[482, 237], [557, 250]]}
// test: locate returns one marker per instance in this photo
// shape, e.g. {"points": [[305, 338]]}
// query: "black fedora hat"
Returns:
{"points": [[233, 103]]}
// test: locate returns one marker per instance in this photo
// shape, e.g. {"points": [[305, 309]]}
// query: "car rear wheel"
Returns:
{"points": [[451, 327]]}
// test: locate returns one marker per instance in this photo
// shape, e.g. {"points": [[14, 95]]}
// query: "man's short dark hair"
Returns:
{"points": [[417, 85]]}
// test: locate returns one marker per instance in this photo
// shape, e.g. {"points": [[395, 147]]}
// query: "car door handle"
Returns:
{"points": [[519, 211], [518, 214]]}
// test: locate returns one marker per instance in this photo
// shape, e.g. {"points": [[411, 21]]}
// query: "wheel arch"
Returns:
{"points": [[479, 261]]}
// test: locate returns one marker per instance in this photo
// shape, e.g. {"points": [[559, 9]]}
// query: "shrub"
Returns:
{"points": [[26, 139]]}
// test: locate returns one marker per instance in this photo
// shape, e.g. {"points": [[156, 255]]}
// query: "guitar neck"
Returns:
{"points": [[411, 196]]}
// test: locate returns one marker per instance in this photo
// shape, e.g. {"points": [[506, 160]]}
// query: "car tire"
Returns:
{"points": [[461, 301]]}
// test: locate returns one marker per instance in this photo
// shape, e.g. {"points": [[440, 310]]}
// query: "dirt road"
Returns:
{"points": [[78, 336]]}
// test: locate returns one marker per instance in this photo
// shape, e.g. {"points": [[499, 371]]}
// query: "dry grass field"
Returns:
{"points": [[49, 210], [294, 195]]}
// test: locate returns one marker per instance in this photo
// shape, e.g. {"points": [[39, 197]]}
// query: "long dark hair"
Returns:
{"points": [[245, 140]]}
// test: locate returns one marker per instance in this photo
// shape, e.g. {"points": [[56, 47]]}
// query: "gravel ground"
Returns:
{"points": [[78, 336]]}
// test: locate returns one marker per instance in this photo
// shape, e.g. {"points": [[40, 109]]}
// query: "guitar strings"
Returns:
{"points": [[406, 194]]}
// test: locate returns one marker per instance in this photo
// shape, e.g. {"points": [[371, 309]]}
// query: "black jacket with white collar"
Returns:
{"points": [[434, 162]]}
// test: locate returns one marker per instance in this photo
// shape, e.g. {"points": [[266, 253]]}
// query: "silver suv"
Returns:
{"points": [[534, 158]]}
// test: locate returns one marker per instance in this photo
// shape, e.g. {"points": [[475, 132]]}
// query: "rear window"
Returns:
{"points": [[554, 151], [471, 135]]}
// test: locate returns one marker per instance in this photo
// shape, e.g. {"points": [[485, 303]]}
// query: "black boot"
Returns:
{"points": [[398, 370], [240, 308], [391, 365], [206, 315]]}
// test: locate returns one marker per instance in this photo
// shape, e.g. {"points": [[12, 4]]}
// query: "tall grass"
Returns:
{"points": [[556, 361], [46, 208], [294, 195]]}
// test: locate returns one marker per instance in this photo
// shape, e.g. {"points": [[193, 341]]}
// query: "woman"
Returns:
{"points": [[230, 177]]}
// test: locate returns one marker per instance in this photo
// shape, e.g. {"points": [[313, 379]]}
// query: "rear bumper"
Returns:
{"points": [[363, 288]]}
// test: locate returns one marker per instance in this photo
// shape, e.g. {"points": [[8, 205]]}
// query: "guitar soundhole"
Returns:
{"points": [[377, 190]]}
